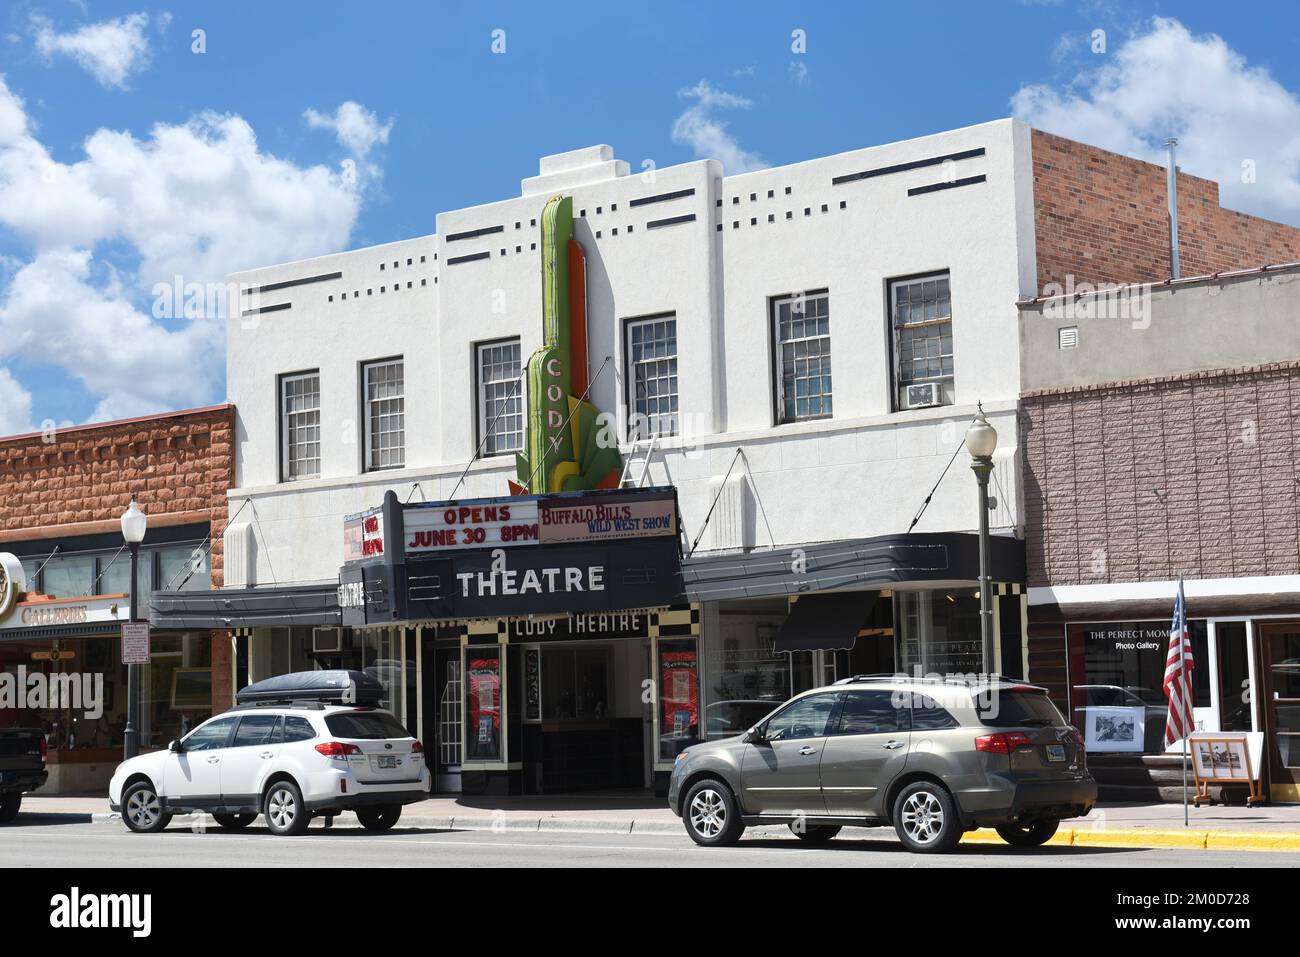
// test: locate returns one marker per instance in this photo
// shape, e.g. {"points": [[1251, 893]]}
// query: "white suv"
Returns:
{"points": [[287, 761]]}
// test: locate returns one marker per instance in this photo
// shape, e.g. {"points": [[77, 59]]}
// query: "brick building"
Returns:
{"points": [[67, 578], [1160, 447]]}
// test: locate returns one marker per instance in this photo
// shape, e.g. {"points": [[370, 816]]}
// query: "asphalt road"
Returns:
{"points": [[48, 841]]}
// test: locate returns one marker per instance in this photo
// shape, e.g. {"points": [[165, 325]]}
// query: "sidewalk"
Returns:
{"points": [[1276, 827]]}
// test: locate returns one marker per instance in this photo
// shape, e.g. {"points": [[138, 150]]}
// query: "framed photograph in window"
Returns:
{"points": [[1114, 729]]}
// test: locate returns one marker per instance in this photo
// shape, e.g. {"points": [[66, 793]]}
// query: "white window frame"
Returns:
{"points": [[945, 380], [778, 354], [653, 424], [367, 404], [485, 419], [287, 473]]}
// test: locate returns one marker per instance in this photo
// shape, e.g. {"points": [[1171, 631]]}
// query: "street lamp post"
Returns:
{"points": [[134, 524], [981, 443]]}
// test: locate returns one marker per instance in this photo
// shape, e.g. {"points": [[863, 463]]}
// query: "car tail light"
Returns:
{"points": [[417, 748], [45, 748], [1003, 743], [336, 749], [1078, 738]]}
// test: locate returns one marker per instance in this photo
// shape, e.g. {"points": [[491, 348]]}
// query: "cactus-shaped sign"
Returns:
{"points": [[565, 449]]}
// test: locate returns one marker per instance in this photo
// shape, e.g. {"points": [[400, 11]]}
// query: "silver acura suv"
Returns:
{"points": [[932, 757]]}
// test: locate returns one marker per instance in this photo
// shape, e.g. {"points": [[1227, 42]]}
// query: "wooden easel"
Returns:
{"points": [[1203, 783]]}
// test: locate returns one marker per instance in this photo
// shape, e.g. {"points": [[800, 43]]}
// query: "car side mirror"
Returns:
{"points": [[176, 748], [754, 736]]}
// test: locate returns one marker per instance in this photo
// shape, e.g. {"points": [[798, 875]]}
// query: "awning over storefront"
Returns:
{"points": [[825, 622], [882, 562], [247, 607]]}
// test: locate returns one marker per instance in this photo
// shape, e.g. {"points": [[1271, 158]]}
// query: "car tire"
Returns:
{"points": [[234, 822], [711, 815], [925, 818], [284, 809], [380, 818], [1032, 835], [816, 833], [9, 805], [142, 809]]}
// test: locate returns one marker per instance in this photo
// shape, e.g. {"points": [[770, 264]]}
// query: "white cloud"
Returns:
{"points": [[110, 50], [799, 72], [195, 201], [357, 129], [15, 405], [1229, 117], [699, 128]]}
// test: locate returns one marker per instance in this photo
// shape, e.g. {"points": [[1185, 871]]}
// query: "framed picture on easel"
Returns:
{"points": [[1224, 758]]}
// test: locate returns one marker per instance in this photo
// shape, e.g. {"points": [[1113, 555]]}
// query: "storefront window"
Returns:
{"points": [[1234, 676], [939, 632], [115, 578], [183, 569], [381, 657], [679, 695], [71, 577], [1117, 669], [483, 704], [747, 677], [80, 694]]}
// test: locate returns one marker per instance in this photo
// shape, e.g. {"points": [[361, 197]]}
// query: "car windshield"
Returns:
{"points": [[1008, 709], [365, 725]]}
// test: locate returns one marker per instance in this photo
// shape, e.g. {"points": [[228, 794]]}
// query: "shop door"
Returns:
{"points": [[447, 684], [1281, 706]]}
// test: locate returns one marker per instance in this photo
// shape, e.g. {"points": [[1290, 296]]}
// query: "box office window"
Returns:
{"points": [[1117, 675], [483, 727]]}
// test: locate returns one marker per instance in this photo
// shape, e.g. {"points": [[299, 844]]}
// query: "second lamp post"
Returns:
{"points": [[981, 443], [134, 523]]}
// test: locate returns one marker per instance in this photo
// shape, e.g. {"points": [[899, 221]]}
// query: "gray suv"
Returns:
{"points": [[934, 758]]}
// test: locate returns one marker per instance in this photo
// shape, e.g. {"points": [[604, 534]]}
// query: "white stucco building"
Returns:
{"points": [[836, 319]]}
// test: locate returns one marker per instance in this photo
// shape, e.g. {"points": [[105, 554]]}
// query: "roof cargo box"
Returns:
{"points": [[337, 687]]}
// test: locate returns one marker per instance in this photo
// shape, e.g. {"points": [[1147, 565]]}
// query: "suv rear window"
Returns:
{"points": [[365, 725], [1008, 709]]}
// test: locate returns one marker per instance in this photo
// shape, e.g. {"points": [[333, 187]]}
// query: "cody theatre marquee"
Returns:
{"points": [[568, 553]]}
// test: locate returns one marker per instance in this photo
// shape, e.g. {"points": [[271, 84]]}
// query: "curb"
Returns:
{"points": [[1191, 839]]}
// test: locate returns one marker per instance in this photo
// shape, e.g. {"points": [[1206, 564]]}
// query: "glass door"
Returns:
{"points": [[448, 684], [1281, 688]]}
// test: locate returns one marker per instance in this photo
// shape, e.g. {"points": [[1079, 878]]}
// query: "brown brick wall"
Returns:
{"points": [[1192, 475], [1103, 217]]}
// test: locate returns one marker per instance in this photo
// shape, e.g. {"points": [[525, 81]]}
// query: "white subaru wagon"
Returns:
{"points": [[288, 762]]}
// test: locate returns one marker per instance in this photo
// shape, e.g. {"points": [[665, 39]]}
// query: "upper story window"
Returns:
{"points": [[922, 323], [384, 388], [500, 397], [652, 376], [802, 328], [300, 426]]}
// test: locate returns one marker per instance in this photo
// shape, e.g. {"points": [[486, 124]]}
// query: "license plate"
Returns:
{"points": [[1056, 752], [385, 761]]}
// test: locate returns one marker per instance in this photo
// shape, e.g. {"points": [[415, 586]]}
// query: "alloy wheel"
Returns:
{"points": [[708, 813], [143, 808], [282, 808], [922, 817]]}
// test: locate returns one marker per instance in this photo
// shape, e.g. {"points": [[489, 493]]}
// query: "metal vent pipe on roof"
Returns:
{"points": [[1172, 175]]}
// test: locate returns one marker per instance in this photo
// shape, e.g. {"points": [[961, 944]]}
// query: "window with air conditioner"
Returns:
{"points": [[921, 320]]}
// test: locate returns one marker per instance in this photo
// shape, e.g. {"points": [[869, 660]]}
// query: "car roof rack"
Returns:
{"points": [[306, 704], [956, 680]]}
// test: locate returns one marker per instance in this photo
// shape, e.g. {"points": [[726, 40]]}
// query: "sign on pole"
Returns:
{"points": [[135, 643]]}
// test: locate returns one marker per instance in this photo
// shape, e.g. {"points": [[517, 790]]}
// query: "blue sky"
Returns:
{"points": [[127, 158]]}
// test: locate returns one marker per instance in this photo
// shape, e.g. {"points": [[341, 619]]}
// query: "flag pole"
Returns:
{"points": [[1186, 819]]}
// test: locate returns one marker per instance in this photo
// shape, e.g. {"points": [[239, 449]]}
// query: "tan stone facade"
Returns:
{"points": [[78, 481]]}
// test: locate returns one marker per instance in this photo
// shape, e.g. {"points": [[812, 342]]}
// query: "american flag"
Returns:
{"points": [[1178, 675]]}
